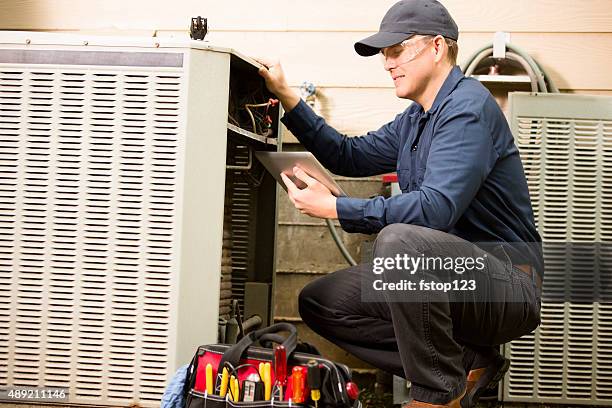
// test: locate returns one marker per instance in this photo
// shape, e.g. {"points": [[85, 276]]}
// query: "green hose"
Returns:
{"points": [[339, 243]]}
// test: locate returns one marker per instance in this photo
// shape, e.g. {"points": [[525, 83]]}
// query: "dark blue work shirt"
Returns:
{"points": [[458, 168]]}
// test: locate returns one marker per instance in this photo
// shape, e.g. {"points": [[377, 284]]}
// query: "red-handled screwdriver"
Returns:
{"points": [[299, 383], [280, 367]]}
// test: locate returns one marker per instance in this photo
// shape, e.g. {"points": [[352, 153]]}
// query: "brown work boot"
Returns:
{"points": [[485, 378], [456, 403]]}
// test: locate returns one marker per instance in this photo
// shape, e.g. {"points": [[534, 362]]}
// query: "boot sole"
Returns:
{"points": [[487, 382]]}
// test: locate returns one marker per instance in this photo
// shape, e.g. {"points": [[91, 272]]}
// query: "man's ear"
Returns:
{"points": [[439, 48]]}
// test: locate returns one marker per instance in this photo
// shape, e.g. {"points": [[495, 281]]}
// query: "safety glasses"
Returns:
{"points": [[404, 52]]}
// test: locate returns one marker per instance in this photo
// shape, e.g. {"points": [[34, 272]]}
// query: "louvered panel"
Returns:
{"points": [[65, 211], [557, 182], [606, 185], [36, 149], [603, 356], [550, 353], [529, 142], [159, 257], [91, 219], [520, 374], [131, 149], [580, 351], [585, 168], [88, 191], [11, 86], [571, 195], [101, 221], [242, 207]]}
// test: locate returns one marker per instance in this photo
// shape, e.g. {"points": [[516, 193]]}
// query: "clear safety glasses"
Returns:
{"points": [[404, 52]]}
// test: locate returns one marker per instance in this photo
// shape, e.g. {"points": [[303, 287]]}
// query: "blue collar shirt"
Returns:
{"points": [[458, 168]]}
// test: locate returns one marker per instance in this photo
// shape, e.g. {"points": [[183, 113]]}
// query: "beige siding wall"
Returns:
{"points": [[314, 39]]}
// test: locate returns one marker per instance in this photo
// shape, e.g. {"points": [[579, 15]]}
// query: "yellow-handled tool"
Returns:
{"points": [[235, 389], [267, 381], [224, 382], [209, 379], [261, 371]]}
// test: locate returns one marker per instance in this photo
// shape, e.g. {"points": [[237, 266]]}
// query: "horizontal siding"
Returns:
{"points": [[354, 111], [328, 59], [584, 16]]}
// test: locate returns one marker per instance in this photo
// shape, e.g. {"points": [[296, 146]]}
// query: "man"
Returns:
{"points": [[463, 193]]}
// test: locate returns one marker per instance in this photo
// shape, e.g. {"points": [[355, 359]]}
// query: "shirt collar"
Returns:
{"points": [[451, 81]]}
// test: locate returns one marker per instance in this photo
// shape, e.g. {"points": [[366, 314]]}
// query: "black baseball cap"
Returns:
{"points": [[406, 18]]}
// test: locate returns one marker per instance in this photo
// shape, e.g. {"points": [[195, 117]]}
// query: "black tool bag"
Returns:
{"points": [[334, 376]]}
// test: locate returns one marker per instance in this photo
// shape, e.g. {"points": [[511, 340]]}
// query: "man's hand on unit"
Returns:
{"points": [[272, 73]]}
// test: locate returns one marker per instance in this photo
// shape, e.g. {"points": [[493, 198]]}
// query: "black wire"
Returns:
{"points": [[234, 371], [248, 365]]}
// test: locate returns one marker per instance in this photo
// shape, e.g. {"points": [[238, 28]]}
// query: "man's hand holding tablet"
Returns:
{"points": [[315, 199]]}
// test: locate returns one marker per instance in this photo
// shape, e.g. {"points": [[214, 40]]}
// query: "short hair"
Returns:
{"points": [[453, 51]]}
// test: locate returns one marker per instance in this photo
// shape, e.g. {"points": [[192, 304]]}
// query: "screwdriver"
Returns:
{"points": [[297, 382], [224, 381], [267, 379], [314, 381], [280, 367], [234, 389], [209, 379]]}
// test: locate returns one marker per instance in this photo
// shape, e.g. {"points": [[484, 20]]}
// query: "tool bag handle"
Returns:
{"points": [[190, 375], [235, 353]]}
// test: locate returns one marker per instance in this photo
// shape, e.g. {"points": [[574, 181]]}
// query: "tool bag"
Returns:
{"points": [[244, 357]]}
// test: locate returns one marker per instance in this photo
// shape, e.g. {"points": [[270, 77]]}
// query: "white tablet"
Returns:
{"points": [[283, 162]]}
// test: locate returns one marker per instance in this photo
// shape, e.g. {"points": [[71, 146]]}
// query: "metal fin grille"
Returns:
{"points": [[242, 191], [88, 161], [565, 142]]}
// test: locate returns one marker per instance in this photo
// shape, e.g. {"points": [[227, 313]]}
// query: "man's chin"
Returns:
{"points": [[402, 93]]}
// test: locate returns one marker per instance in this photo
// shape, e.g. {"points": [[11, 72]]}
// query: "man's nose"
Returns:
{"points": [[389, 65]]}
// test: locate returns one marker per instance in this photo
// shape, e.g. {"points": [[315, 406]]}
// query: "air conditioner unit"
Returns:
{"points": [[565, 142], [118, 167]]}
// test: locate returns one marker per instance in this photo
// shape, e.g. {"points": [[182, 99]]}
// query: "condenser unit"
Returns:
{"points": [[132, 209], [565, 142]]}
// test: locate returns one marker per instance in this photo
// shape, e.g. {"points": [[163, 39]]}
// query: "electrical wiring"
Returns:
{"points": [[250, 107], [264, 120], [232, 120], [252, 118]]}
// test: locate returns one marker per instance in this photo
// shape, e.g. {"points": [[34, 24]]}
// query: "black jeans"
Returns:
{"points": [[423, 340]]}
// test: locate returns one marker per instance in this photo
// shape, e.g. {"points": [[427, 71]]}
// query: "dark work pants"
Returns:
{"points": [[423, 340]]}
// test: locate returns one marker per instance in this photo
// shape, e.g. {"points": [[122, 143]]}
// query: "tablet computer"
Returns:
{"points": [[283, 162]]}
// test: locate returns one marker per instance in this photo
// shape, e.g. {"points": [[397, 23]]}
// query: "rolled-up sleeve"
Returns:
{"points": [[372, 154], [461, 156]]}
